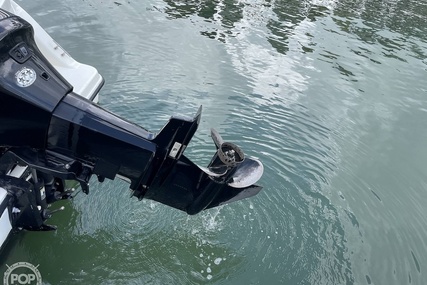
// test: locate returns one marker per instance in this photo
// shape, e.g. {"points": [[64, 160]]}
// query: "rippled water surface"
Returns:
{"points": [[330, 95]]}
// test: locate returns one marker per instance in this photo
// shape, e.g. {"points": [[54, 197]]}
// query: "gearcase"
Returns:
{"points": [[50, 134]]}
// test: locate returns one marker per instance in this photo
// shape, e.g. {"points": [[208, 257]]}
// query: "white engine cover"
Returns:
{"points": [[85, 79]]}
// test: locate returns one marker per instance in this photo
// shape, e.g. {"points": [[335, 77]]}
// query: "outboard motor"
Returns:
{"points": [[58, 135]]}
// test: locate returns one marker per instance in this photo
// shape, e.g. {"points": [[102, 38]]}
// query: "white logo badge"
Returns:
{"points": [[25, 77], [22, 273]]}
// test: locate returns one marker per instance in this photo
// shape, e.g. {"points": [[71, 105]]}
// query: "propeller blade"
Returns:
{"points": [[247, 173], [216, 137]]}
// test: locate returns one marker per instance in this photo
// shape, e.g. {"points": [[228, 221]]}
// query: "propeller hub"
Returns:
{"points": [[230, 154]]}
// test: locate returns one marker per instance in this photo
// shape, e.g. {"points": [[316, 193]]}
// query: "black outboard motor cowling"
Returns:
{"points": [[30, 88], [61, 135]]}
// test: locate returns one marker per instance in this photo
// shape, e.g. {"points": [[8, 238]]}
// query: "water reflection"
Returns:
{"points": [[230, 18], [402, 16], [289, 16], [367, 20], [371, 20], [224, 14]]}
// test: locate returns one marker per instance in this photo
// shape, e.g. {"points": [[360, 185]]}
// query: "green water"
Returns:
{"points": [[330, 95]]}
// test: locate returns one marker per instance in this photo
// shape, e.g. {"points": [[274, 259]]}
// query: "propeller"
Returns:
{"points": [[230, 163], [229, 153]]}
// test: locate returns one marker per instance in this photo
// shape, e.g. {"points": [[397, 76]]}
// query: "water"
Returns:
{"points": [[330, 95]]}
